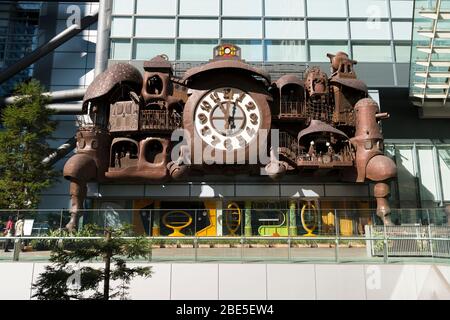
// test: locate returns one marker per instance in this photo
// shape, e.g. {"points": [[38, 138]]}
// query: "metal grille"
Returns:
{"points": [[288, 146], [420, 241], [159, 120], [292, 109]]}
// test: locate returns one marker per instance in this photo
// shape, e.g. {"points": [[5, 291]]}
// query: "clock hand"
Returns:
{"points": [[233, 126], [227, 115]]}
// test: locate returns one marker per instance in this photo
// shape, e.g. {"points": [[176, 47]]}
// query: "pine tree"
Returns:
{"points": [[61, 281], [23, 145]]}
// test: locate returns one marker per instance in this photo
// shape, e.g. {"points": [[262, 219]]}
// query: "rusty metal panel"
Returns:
{"points": [[124, 116]]}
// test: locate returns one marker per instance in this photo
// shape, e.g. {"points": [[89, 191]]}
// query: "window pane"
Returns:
{"points": [[241, 29], [199, 7], [251, 50], [121, 27], [285, 29], [370, 30], [284, 8], [368, 8], [327, 30], [405, 175], [156, 7], [372, 53], [327, 8], [288, 50], [318, 50], [199, 28], [402, 53], [147, 49], [444, 161], [402, 8], [402, 30], [122, 7], [427, 178], [120, 49], [249, 8], [154, 27], [195, 50]]}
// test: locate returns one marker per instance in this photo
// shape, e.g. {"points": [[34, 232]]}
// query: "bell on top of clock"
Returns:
{"points": [[227, 51]]}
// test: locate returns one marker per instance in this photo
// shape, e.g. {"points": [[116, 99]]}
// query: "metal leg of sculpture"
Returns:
{"points": [[78, 191], [381, 191]]}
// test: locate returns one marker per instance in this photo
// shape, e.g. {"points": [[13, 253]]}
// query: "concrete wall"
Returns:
{"points": [[264, 281]]}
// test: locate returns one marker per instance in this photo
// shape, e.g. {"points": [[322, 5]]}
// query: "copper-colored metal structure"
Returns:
{"points": [[328, 126]]}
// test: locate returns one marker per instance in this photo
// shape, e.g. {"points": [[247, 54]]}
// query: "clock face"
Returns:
{"points": [[227, 118]]}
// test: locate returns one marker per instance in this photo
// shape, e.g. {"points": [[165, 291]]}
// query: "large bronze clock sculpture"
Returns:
{"points": [[328, 126]]}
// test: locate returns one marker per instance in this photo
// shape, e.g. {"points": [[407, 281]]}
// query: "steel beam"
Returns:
{"points": [[61, 152], [45, 49], [55, 96], [103, 36]]}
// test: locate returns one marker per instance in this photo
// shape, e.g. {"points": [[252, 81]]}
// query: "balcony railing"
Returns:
{"points": [[292, 110], [159, 120]]}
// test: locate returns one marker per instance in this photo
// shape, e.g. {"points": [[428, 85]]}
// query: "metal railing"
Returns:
{"points": [[288, 235], [245, 249], [158, 120]]}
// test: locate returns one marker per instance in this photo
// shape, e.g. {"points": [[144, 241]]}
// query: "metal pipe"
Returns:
{"points": [[72, 108], [55, 96], [61, 152], [103, 34], [43, 50]]}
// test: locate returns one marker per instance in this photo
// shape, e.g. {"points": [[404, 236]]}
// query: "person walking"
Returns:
{"points": [[18, 227], [8, 232]]}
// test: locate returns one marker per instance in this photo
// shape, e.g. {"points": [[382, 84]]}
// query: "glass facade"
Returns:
{"points": [[423, 173], [267, 30], [430, 60], [18, 37]]}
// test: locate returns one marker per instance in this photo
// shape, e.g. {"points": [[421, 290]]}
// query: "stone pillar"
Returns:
{"points": [[248, 219], [292, 218], [156, 230]]}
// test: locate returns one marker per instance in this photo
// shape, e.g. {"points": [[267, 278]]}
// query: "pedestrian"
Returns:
{"points": [[18, 227], [8, 232]]}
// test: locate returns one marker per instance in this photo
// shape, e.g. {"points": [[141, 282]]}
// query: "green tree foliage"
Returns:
{"points": [[23, 145], [61, 281]]}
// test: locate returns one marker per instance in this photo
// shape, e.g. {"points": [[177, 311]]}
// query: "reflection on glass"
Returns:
{"points": [[155, 27], [199, 7], [286, 50], [328, 31], [120, 49], [285, 29], [372, 52], [198, 28], [327, 8], [121, 27], [156, 7], [241, 8], [195, 50], [402, 53], [240, 28], [318, 50], [147, 49], [370, 30], [368, 8], [122, 7], [444, 161], [251, 50], [284, 8]]}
